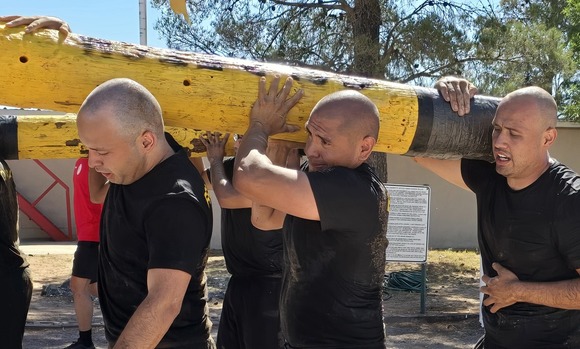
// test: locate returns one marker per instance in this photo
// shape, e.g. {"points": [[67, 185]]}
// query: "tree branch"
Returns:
{"points": [[327, 4]]}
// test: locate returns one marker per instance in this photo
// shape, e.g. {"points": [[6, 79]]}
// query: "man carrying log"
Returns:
{"points": [[334, 217]]}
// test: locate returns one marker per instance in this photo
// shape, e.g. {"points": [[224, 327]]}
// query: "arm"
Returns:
{"points": [[34, 23], [98, 186], [449, 170], [154, 316], [506, 289], [227, 196], [281, 153], [255, 176]]}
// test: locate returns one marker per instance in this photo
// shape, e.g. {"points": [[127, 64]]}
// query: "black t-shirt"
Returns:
{"points": [[334, 268], [162, 220], [10, 255], [535, 233], [248, 251]]}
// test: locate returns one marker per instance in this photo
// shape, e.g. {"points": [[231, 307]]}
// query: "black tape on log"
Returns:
{"points": [[441, 133], [8, 137]]}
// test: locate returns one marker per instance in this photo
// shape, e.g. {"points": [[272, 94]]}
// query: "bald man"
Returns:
{"points": [[333, 214], [156, 223], [528, 227]]}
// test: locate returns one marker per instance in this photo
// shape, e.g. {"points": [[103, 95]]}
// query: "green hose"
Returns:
{"points": [[404, 280]]}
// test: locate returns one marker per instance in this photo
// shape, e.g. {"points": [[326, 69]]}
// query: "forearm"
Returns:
{"points": [[251, 161], [559, 294], [227, 195], [267, 218], [148, 324], [449, 170]]}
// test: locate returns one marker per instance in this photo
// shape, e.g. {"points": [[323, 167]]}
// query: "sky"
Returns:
{"points": [[114, 20]]}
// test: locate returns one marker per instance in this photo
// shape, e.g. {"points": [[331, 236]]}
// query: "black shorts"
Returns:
{"points": [[86, 260], [250, 317]]}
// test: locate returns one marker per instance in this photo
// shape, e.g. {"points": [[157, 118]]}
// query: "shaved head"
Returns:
{"points": [[133, 107], [538, 100], [358, 113]]}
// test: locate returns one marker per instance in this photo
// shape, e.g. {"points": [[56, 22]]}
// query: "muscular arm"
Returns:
{"points": [[506, 289], [281, 153], [227, 196], [449, 170], [154, 316], [98, 186], [255, 176]]}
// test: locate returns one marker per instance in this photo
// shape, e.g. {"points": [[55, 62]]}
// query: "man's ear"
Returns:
{"points": [[550, 136], [148, 140], [366, 147]]}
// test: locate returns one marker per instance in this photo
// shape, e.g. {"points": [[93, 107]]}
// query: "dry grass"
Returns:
{"points": [[452, 283], [442, 265], [453, 266], [444, 262]]}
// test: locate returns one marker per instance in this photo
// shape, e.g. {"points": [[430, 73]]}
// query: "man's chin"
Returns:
{"points": [[502, 170], [316, 168]]}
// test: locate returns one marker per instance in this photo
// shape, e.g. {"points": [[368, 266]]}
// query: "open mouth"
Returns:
{"points": [[502, 158], [105, 174]]}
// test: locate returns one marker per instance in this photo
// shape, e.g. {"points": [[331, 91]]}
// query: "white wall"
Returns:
{"points": [[453, 212]]}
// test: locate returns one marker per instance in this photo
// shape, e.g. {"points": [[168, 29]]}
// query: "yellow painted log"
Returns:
{"points": [[204, 92], [55, 137]]}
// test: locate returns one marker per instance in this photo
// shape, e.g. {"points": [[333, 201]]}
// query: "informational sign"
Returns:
{"points": [[408, 226]]}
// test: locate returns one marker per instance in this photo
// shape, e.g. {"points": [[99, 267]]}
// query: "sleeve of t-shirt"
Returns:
{"points": [[343, 198], [177, 235], [476, 174]]}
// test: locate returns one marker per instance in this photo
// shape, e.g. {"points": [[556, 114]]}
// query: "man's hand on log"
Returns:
{"points": [[272, 106], [458, 92], [34, 23], [215, 145]]}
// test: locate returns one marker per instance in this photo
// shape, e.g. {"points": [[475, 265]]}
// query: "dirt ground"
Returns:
{"points": [[450, 319]]}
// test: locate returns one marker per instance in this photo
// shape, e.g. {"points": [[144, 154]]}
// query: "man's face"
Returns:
{"points": [[329, 145], [110, 152], [518, 142]]}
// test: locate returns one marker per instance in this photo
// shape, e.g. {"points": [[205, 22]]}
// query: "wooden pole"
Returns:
{"points": [[200, 92]]}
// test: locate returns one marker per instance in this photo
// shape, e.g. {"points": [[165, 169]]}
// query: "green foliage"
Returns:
{"points": [[500, 47], [571, 109], [572, 15], [537, 59], [571, 97], [415, 41], [259, 31]]}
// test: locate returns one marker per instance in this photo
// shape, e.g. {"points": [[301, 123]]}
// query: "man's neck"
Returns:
{"points": [[524, 182]]}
